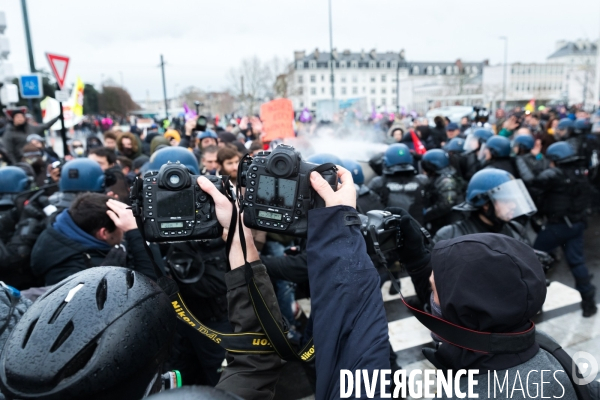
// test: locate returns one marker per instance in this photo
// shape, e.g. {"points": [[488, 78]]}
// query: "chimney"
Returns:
{"points": [[373, 54], [316, 54], [346, 52], [362, 54], [334, 54], [299, 55], [560, 44]]}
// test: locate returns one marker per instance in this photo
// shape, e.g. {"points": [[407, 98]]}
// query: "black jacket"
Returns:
{"points": [[56, 257], [506, 164], [15, 138], [404, 190], [566, 193], [443, 192], [529, 167], [367, 200]]}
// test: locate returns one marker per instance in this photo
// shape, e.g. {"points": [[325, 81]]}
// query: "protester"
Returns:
{"points": [[129, 145], [228, 159], [17, 131]]}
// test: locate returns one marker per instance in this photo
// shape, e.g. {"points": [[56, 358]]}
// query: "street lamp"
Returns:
{"points": [[505, 67], [400, 61]]}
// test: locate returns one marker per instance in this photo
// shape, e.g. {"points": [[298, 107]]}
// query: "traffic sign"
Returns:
{"points": [[62, 96], [59, 65], [31, 86]]}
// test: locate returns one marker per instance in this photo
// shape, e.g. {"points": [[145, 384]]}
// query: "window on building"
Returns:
{"points": [[313, 91], [437, 70], [354, 90], [456, 70], [312, 64], [322, 78], [373, 79], [300, 79], [354, 78], [383, 102], [342, 64], [364, 89], [467, 70], [354, 64], [393, 100], [449, 70], [313, 79], [383, 78], [301, 104], [300, 91], [343, 79], [314, 104], [382, 90], [343, 90], [299, 65], [372, 64], [322, 90], [512, 70], [415, 70], [475, 70], [430, 70], [372, 90]]}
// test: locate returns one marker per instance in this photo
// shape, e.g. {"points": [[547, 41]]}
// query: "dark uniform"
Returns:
{"points": [[402, 189], [443, 192], [566, 198]]}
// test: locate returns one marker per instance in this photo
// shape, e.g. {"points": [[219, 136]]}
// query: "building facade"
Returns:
{"points": [[372, 77]]}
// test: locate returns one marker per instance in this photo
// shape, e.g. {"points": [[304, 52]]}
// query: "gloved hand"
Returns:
{"points": [[116, 257], [412, 253]]}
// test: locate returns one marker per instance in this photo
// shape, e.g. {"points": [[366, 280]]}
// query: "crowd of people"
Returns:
{"points": [[84, 318]]}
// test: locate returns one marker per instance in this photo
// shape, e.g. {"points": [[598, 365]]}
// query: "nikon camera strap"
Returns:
{"points": [[246, 343]]}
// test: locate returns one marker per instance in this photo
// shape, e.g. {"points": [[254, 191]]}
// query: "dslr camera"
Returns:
{"points": [[173, 207], [381, 230], [278, 191]]}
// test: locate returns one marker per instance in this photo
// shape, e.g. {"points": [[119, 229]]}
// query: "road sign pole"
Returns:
{"points": [[63, 131]]}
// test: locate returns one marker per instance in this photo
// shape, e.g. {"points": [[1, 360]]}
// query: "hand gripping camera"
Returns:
{"points": [[278, 191], [173, 207]]}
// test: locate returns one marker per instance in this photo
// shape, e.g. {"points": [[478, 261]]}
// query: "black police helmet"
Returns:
{"points": [[101, 333]]}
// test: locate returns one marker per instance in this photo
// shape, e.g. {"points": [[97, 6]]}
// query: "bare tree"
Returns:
{"points": [[250, 81]]}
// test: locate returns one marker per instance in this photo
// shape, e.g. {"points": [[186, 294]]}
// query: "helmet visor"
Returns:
{"points": [[511, 200], [471, 143]]}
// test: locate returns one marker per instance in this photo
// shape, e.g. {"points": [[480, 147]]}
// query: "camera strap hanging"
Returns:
{"points": [[251, 343]]}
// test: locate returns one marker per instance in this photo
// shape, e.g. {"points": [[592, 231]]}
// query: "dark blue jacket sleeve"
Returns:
{"points": [[350, 325]]}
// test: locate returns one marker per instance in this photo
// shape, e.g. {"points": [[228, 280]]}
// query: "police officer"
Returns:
{"points": [[528, 165], [470, 162], [566, 197], [443, 191], [455, 147], [497, 155], [20, 225], [77, 176], [400, 186], [494, 199], [366, 199]]}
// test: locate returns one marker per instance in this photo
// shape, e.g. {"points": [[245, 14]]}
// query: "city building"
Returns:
{"points": [[580, 52], [372, 76]]}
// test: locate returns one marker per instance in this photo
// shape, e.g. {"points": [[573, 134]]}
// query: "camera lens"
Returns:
{"points": [[174, 179]]}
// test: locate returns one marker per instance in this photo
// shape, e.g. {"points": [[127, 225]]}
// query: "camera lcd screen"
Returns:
{"points": [[270, 215], [276, 192], [175, 204], [164, 225]]}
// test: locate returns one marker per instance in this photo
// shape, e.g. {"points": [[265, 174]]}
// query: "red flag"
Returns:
{"points": [[419, 148]]}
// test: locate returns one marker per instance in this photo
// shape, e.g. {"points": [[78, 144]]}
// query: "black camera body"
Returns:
{"points": [[173, 207], [382, 233], [278, 191]]}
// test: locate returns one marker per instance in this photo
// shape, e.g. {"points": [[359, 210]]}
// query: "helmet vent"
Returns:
{"points": [[130, 279], [57, 312], [79, 361], [29, 332], [101, 294], [63, 336]]}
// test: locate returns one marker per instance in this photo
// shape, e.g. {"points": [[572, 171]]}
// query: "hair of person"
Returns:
{"points": [[227, 152], [125, 162], [114, 135], [256, 145], [130, 136], [210, 150], [439, 121], [110, 155], [88, 211]]}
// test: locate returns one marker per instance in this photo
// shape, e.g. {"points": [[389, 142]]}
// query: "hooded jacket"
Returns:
{"points": [[64, 249], [493, 283]]}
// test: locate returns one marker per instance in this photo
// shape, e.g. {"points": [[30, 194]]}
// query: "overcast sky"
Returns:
{"points": [[201, 40]]}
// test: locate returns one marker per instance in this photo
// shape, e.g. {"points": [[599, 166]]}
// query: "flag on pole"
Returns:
{"points": [[419, 148]]}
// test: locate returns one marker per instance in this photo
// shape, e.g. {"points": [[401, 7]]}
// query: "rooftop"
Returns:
{"points": [[578, 48]]}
